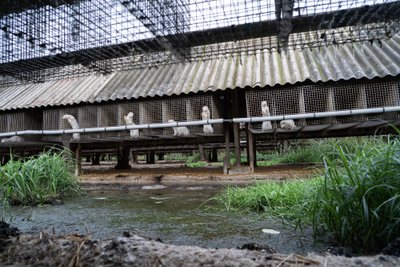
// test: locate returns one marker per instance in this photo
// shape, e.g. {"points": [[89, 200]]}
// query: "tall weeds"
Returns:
{"points": [[359, 201], [38, 179]]}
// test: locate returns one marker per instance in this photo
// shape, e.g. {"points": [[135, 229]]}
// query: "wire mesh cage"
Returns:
{"points": [[37, 37], [189, 108], [351, 96], [123, 112], [383, 95], [150, 111], [3, 122], [20, 121], [53, 120], [174, 109], [323, 98]]}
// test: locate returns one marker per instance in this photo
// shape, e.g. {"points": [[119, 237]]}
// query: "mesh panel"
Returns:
{"points": [[52, 120], [150, 111], [318, 101], [350, 96], [194, 108], [174, 109], [322, 98], [381, 95], [3, 123], [123, 110], [88, 117]]}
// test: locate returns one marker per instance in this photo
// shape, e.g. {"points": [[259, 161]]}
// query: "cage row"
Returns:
{"points": [[322, 98]]}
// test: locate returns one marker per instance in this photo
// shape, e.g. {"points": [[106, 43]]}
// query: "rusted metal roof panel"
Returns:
{"points": [[262, 68]]}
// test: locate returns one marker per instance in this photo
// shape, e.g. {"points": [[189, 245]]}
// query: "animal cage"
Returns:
{"points": [[189, 108], [324, 98], [52, 120], [21, 120]]}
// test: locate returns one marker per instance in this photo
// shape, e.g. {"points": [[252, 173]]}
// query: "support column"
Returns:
{"points": [[202, 153], [151, 158], [96, 159], [134, 157], [227, 150], [236, 136], [78, 160], [122, 157], [213, 155], [251, 151]]}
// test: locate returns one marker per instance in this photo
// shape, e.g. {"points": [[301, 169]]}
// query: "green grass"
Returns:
{"points": [[198, 164], [37, 180], [359, 201], [287, 200]]}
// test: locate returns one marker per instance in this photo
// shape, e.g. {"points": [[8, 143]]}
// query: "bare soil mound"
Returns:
{"points": [[78, 250]]}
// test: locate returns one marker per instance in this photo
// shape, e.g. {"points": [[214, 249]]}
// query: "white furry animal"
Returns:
{"points": [[13, 139], [129, 121], [180, 131], [74, 124], [205, 115], [288, 124], [266, 125]]}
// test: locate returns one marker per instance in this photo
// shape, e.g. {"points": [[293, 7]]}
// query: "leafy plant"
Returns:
{"points": [[38, 179]]}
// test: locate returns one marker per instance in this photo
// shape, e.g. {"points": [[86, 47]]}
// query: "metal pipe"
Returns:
{"points": [[315, 115]]}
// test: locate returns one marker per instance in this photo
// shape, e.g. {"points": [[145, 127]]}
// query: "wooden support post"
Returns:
{"points": [[78, 160], [236, 136], [213, 155], [227, 149], [161, 156], [202, 153], [151, 157], [251, 145], [96, 159], [134, 157], [123, 157]]}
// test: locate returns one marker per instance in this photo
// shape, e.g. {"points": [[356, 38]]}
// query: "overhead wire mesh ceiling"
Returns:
{"points": [[45, 39]]}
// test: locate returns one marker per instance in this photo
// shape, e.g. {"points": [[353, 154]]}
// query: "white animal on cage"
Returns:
{"points": [[205, 115], [13, 139], [181, 130], [288, 124], [74, 124], [266, 125], [129, 121]]}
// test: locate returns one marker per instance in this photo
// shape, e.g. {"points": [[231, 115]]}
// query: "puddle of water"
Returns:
{"points": [[181, 217]]}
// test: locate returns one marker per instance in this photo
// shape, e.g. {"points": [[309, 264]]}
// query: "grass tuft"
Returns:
{"points": [[287, 200], [359, 201], [37, 180]]}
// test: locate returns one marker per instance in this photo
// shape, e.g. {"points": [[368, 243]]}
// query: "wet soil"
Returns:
{"points": [[130, 250], [173, 174]]}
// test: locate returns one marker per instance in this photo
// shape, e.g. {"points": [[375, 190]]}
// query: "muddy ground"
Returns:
{"points": [[173, 174], [48, 249]]}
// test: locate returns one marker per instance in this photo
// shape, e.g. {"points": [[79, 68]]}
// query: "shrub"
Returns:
{"points": [[38, 179], [359, 200]]}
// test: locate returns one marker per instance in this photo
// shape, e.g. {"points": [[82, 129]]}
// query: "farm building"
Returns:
{"points": [[137, 78]]}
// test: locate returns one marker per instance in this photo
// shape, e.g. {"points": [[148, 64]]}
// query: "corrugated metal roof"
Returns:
{"points": [[262, 68]]}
